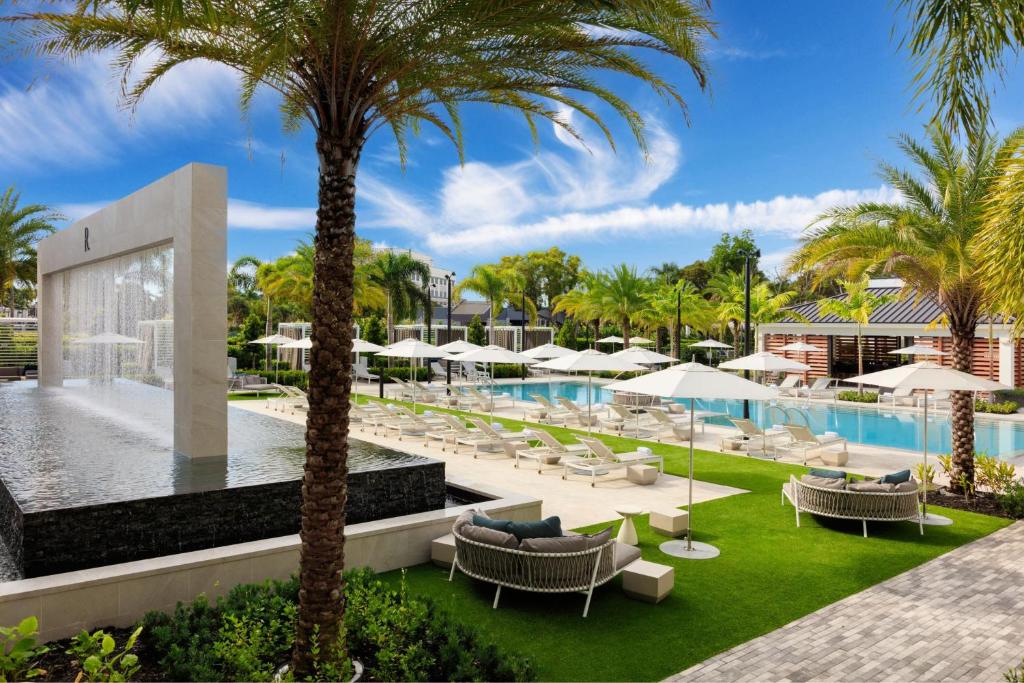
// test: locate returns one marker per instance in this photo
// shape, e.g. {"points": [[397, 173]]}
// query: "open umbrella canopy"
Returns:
{"points": [[458, 346], [710, 344], [108, 339], [589, 361], [547, 351], [640, 340], [412, 348], [642, 356], [306, 343], [764, 361], [693, 380], [801, 346], [927, 375], [611, 340], [272, 340], [919, 350], [492, 353], [363, 346]]}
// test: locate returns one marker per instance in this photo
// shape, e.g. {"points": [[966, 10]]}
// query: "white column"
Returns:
{"points": [[50, 292], [1007, 360]]}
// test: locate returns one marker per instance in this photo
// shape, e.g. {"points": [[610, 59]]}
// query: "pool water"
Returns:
{"points": [[869, 425]]}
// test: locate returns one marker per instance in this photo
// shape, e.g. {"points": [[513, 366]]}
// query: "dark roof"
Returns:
{"points": [[907, 309]]}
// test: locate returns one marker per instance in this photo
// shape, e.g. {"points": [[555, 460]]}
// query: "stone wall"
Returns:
{"points": [[70, 539]]}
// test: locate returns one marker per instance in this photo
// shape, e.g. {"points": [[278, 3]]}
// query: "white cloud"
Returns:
{"points": [[253, 216], [74, 115]]}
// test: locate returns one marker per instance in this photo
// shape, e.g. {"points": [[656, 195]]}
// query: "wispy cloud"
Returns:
{"points": [[74, 115], [733, 53], [254, 216]]}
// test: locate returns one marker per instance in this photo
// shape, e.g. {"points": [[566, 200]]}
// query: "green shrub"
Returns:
{"points": [[567, 335], [1015, 395], [100, 659], [1001, 408], [992, 473], [1012, 500], [475, 332], [396, 637], [858, 396], [401, 372], [19, 654]]}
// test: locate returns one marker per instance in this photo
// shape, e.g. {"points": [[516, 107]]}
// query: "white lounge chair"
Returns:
{"points": [[805, 442], [601, 450], [666, 427], [752, 435], [790, 386], [552, 413], [577, 413], [822, 387], [900, 396], [361, 370]]}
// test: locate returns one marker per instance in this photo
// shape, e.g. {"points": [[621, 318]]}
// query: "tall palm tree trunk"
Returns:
{"points": [[324, 483], [627, 332], [860, 358], [962, 412]]}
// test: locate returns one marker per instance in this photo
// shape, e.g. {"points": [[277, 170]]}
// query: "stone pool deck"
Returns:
{"points": [[959, 617], [575, 501]]}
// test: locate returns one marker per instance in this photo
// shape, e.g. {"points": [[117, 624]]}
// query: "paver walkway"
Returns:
{"points": [[959, 617]]}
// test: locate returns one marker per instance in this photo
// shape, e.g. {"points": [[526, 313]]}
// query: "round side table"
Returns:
{"points": [[627, 532]]}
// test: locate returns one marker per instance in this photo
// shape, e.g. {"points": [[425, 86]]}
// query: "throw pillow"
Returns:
{"points": [[907, 486], [831, 474], [896, 477], [487, 522], [482, 534], [869, 487], [824, 482], [545, 528], [561, 544]]}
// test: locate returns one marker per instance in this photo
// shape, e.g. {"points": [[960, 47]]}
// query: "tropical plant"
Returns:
{"points": [[21, 226], [350, 69], [582, 302], [664, 302], [100, 659], [621, 295], [497, 286], [958, 46], [243, 289], [928, 240], [766, 305], [475, 332], [857, 306], [400, 277]]}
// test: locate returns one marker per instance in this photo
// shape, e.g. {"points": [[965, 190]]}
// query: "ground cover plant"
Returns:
{"points": [[769, 573]]}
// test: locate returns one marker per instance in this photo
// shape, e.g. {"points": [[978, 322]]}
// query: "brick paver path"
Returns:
{"points": [[959, 617]]}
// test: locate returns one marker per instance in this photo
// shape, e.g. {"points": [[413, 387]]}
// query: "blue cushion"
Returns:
{"points": [[496, 524], [896, 477], [545, 528], [828, 474]]}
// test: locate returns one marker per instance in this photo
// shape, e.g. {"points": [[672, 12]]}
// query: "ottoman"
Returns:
{"points": [[644, 475], [672, 522], [648, 581]]}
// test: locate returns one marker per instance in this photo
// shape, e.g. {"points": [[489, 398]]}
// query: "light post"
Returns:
{"points": [[448, 364], [428, 313], [522, 337], [748, 256], [679, 325]]}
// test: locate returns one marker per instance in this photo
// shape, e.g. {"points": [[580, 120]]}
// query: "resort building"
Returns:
{"points": [[911, 319]]}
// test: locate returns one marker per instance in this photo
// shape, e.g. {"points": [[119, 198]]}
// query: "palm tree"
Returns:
{"points": [[958, 46], [928, 240], [497, 286], [694, 310], [858, 306], [581, 302], [290, 277], [20, 228], [401, 278], [243, 289], [622, 295], [728, 291], [350, 69]]}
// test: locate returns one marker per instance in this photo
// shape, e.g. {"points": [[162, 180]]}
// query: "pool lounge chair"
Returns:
{"points": [[543, 454], [552, 413], [361, 370], [666, 427], [590, 467], [483, 401], [937, 399], [577, 413], [624, 421], [456, 434], [600, 450], [790, 386], [751, 435], [900, 396], [565, 449], [492, 440], [805, 442], [291, 398], [822, 387]]}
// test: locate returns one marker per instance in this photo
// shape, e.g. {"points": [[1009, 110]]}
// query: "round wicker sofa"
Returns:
{"points": [[867, 506], [574, 572]]}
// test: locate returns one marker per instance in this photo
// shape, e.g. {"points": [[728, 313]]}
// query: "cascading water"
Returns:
{"points": [[119, 331]]}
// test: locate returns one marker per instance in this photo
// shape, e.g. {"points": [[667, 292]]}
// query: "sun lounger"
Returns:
{"points": [[666, 427], [600, 450], [578, 413], [900, 396], [544, 455], [790, 386], [822, 387], [806, 442], [552, 413], [936, 399], [752, 436]]}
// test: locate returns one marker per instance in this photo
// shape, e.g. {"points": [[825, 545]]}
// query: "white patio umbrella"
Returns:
{"points": [[413, 349], [693, 381], [613, 340], [458, 346], [589, 361], [642, 356], [361, 346], [928, 376], [274, 340], [547, 352], [919, 350], [801, 346], [710, 345], [303, 344], [492, 353], [764, 361], [639, 340]]}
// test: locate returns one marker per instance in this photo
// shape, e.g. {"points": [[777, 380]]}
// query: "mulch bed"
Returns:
{"points": [[60, 666], [982, 502]]}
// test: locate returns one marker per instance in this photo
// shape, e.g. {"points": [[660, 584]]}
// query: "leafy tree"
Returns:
{"points": [[958, 47], [243, 290], [766, 305], [668, 273], [373, 330], [728, 255], [546, 274], [566, 335], [400, 277], [349, 69], [475, 332], [697, 273], [498, 286], [694, 310], [929, 240], [582, 303], [21, 227], [622, 297], [858, 306]]}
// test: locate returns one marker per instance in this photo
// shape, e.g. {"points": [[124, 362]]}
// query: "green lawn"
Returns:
{"points": [[253, 397], [769, 573]]}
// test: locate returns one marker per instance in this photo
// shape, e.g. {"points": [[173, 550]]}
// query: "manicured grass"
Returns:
{"points": [[252, 397], [769, 573]]}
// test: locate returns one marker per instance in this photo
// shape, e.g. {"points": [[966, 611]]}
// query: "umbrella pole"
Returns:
{"points": [[689, 499], [924, 471], [492, 391], [412, 370], [590, 398]]}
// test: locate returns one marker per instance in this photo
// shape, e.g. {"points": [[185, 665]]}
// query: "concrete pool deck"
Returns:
{"points": [[575, 501]]}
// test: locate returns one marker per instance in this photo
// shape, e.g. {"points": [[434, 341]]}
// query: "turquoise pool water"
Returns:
{"points": [[871, 426]]}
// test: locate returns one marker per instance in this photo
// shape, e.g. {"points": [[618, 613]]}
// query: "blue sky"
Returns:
{"points": [[806, 98]]}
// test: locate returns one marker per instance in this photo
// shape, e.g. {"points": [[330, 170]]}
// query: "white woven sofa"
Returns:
{"points": [[598, 559], [899, 505]]}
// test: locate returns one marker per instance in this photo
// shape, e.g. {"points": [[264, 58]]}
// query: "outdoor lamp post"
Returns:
{"points": [[428, 313], [748, 257], [679, 325], [522, 337], [448, 364]]}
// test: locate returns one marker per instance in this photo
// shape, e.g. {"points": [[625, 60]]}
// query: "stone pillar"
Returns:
{"points": [[50, 292], [1007, 360]]}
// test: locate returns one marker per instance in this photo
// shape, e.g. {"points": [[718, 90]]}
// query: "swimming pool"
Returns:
{"points": [[871, 426]]}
